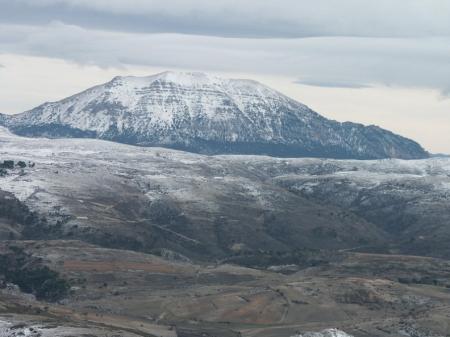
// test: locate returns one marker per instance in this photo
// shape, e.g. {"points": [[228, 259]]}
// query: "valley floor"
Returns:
{"points": [[122, 293]]}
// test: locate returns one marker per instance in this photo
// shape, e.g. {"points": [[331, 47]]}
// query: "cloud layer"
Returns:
{"points": [[322, 61], [350, 43], [243, 18]]}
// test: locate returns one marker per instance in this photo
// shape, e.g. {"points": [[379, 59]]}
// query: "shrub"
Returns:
{"points": [[21, 164], [26, 272]]}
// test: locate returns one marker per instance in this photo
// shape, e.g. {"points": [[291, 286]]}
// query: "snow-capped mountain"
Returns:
{"points": [[207, 114]]}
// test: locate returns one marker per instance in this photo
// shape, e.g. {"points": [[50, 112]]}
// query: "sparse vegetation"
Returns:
{"points": [[303, 258], [30, 224], [11, 165], [7, 164], [21, 164], [27, 272]]}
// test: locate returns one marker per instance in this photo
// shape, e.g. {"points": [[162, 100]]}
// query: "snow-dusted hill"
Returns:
{"points": [[207, 114], [150, 198], [210, 206]]}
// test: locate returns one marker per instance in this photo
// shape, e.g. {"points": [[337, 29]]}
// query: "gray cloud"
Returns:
{"points": [[330, 84], [242, 18], [325, 61], [357, 43]]}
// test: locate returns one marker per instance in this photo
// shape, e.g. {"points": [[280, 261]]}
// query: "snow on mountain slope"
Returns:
{"points": [[207, 114], [196, 205], [153, 198]]}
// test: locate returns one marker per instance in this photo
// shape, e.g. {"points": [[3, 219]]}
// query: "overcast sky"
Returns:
{"points": [[381, 62]]}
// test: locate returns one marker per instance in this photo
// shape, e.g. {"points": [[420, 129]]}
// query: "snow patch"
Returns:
{"points": [[325, 333]]}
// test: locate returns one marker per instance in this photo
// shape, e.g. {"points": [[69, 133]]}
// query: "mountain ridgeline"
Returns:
{"points": [[205, 114]]}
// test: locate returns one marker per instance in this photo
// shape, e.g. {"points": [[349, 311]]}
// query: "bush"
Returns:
{"points": [[7, 164], [43, 282], [26, 272], [22, 164]]}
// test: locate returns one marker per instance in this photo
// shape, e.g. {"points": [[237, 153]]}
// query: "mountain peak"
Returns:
{"points": [[204, 113], [187, 79], [181, 78]]}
